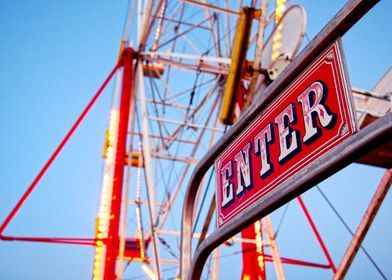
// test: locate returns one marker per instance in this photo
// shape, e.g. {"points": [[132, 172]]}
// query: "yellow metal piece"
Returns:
{"points": [[106, 145], [133, 259], [237, 64], [153, 70], [120, 51], [248, 70], [135, 158], [257, 13]]}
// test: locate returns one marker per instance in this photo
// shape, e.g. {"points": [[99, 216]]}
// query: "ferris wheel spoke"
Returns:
{"points": [[183, 33], [186, 169], [191, 114]]}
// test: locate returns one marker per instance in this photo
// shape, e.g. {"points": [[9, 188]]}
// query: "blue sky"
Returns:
{"points": [[54, 55]]}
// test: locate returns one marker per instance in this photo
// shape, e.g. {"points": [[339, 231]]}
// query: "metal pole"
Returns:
{"points": [[147, 170], [125, 203], [316, 232], [56, 152], [258, 54], [112, 242], [207, 221], [185, 172], [365, 224], [274, 249], [215, 270]]}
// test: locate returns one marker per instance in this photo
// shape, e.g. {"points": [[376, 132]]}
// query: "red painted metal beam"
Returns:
{"points": [[253, 259], [268, 258], [55, 154], [115, 210], [314, 228], [58, 240]]}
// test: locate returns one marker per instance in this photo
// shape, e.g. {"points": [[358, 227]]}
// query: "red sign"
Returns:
{"points": [[312, 115]]}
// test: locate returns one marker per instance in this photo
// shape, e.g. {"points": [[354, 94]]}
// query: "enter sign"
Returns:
{"points": [[314, 114]]}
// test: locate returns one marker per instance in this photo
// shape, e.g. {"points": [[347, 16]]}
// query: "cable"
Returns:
{"points": [[204, 198], [281, 220], [351, 232], [167, 247], [198, 71]]}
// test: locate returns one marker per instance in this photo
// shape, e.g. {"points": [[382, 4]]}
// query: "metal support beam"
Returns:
{"points": [[147, 169], [124, 210], [365, 224], [154, 136], [237, 66], [216, 8], [215, 270], [316, 233], [185, 172], [196, 58], [198, 66], [207, 221], [258, 54], [274, 249], [112, 242], [183, 124]]}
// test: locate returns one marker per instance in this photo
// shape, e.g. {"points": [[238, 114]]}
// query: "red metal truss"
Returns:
{"points": [[115, 210], [316, 232], [19, 204]]}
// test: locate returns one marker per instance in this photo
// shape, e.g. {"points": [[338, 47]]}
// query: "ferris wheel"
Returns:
{"points": [[197, 67], [181, 107], [186, 72]]}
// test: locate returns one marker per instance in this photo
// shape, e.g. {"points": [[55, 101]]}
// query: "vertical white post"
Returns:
{"points": [[215, 270], [274, 249], [147, 167]]}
